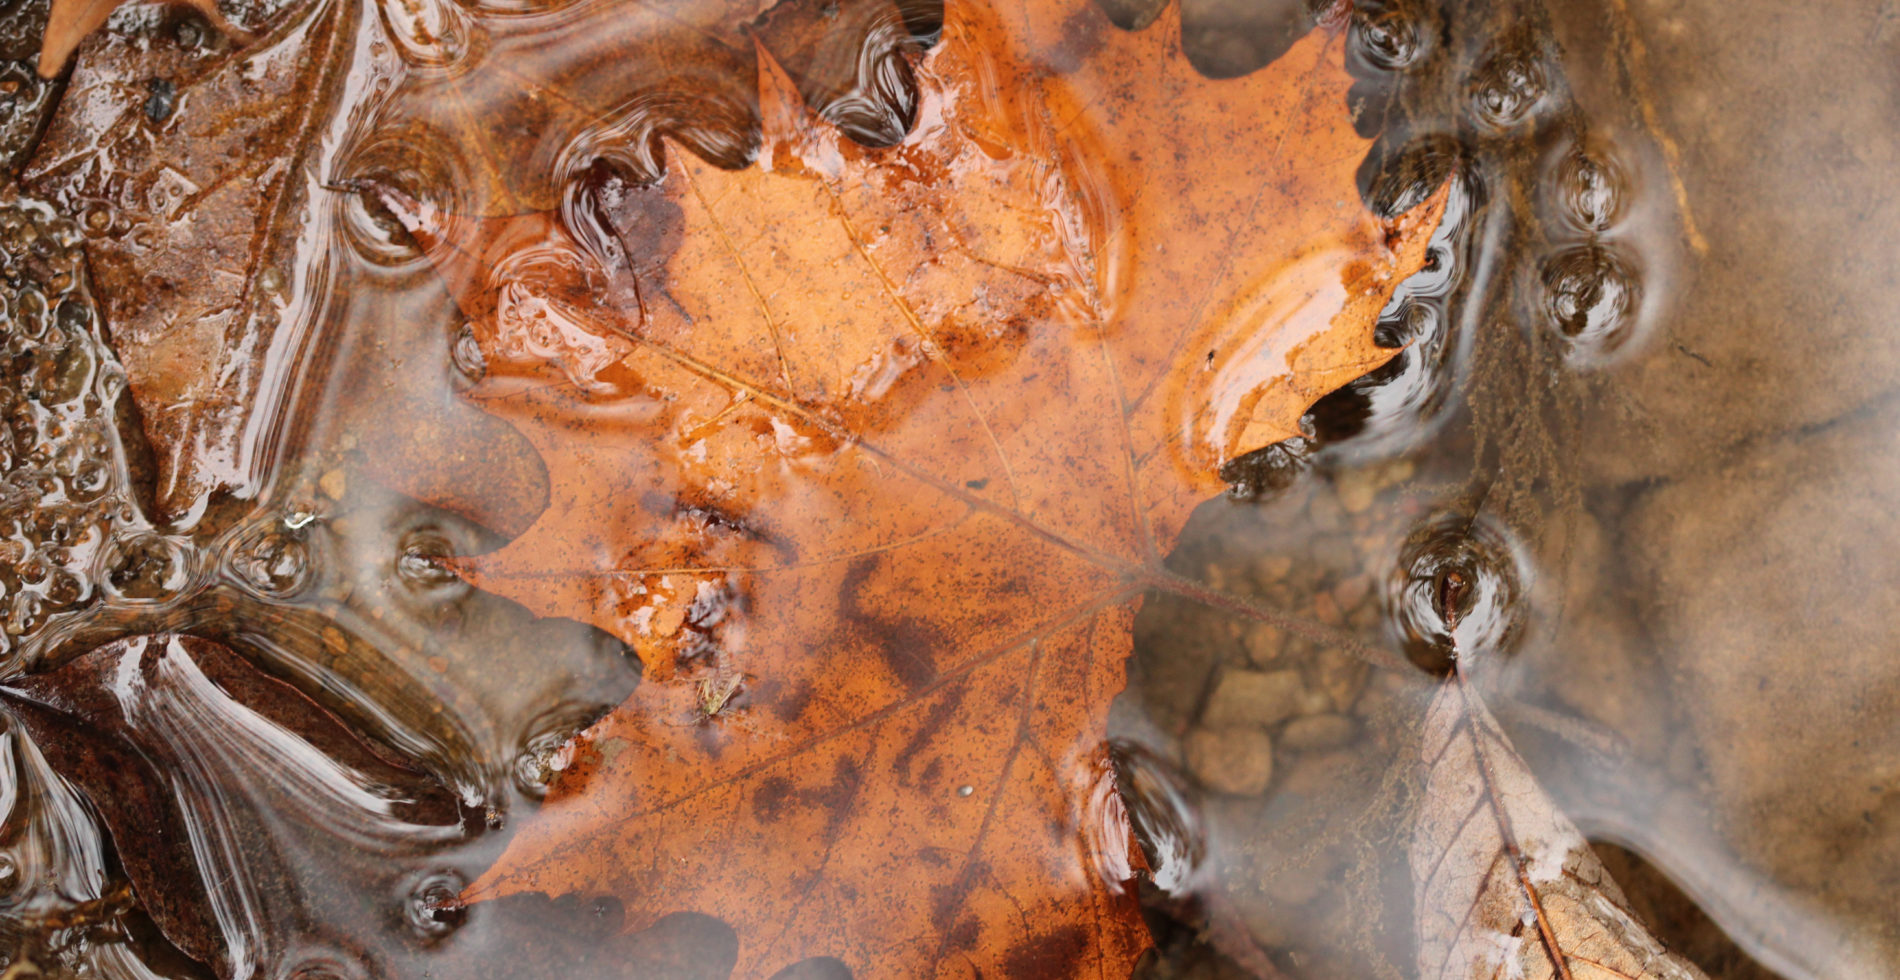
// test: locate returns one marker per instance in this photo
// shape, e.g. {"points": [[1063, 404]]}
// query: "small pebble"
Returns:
{"points": [[1351, 592], [1235, 761], [1357, 489], [1340, 675], [1264, 642], [1323, 513], [1334, 552], [1252, 697], [333, 484], [1271, 569], [1313, 701], [1326, 610], [1327, 731], [1319, 772]]}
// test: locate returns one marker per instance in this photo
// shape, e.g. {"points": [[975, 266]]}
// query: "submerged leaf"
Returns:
{"points": [[870, 452], [1505, 885], [191, 169], [183, 747]]}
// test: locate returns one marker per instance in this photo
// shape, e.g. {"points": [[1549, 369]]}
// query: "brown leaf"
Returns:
{"points": [[871, 452], [182, 746], [71, 21], [257, 828], [1505, 885], [191, 169]]}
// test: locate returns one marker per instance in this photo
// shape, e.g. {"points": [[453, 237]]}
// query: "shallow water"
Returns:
{"points": [[1642, 410], [1701, 516]]}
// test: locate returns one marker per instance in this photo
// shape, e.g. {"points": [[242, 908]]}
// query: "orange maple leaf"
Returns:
{"points": [[872, 452]]}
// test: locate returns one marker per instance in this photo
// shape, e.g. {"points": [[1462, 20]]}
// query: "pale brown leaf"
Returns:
{"points": [[191, 169], [1504, 885]]}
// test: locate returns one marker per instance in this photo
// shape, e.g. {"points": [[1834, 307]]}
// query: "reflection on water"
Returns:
{"points": [[1638, 434], [1672, 393]]}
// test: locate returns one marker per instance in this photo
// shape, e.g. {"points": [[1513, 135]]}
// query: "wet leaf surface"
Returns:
{"points": [[1506, 886], [181, 745], [27, 100], [71, 21], [66, 492], [1670, 442], [870, 452], [223, 789], [194, 221]]}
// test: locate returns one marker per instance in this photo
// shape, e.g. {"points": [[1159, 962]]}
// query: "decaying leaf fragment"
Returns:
{"points": [[882, 445], [192, 168], [182, 745], [71, 20], [1505, 885]]}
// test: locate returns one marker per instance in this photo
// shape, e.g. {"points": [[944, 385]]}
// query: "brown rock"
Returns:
{"points": [[1341, 676], [333, 484], [1264, 643], [1271, 569], [1357, 488], [1235, 761], [1352, 591], [1318, 732], [1252, 697]]}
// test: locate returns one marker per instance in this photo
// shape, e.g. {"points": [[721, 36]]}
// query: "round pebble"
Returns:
{"points": [[1235, 761]]}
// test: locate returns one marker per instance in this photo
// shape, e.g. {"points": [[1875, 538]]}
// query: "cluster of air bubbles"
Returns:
{"points": [[433, 907], [25, 98], [1388, 35], [1456, 592], [273, 559], [1509, 86], [1588, 287], [63, 486], [539, 758]]}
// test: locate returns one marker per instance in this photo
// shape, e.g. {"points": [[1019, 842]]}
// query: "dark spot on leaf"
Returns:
{"points": [[1054, 954], [905, 643], [769, 799], [941, 715], [1081, 35]]}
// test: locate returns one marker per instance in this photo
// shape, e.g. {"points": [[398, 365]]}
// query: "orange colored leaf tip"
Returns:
{"points": [[70, 22]]}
